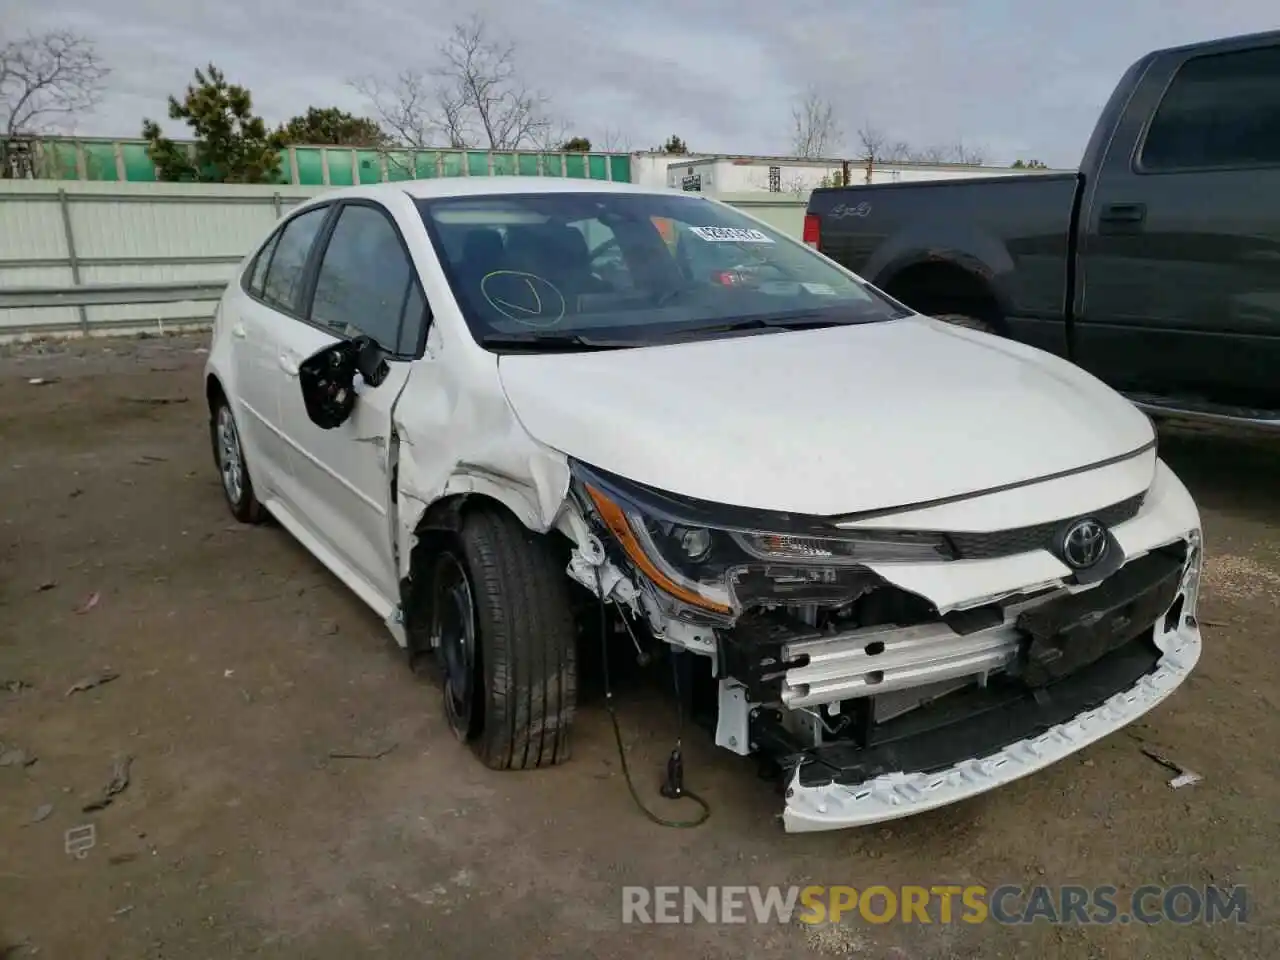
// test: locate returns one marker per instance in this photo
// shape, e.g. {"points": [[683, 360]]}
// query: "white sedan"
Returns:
{"points": [[902, 562]]}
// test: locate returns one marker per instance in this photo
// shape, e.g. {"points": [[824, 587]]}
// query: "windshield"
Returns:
{"points": [[623, 269]]}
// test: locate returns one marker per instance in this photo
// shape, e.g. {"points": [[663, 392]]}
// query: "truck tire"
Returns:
{"points": [[502, 624], [963, 320]]}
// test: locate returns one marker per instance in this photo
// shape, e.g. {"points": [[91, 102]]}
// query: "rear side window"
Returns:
{"points": [[1220, 111], [283, 285], [365, 278], [260, 264]]}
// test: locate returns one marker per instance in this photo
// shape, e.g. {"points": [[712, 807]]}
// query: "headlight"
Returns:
{"points": [[719, 567]]}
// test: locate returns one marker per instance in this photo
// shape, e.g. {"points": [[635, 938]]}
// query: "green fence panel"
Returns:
{"points": [[340, 167], [138, 167], [310, 166], [399, 165], [283, 173], [425, 164], [452, 164], [620, 167], [100, 161], [369, 163], [58, 160]]}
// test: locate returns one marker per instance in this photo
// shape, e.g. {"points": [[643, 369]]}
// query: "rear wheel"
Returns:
{"points": [[228, 453], [503, 629]]}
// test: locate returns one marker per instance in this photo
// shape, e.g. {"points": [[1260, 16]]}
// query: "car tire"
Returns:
{"points": [[503, 628], [964, 320], [228, 454]]}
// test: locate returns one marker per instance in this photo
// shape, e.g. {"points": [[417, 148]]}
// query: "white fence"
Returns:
{"points": [[80, 258]]}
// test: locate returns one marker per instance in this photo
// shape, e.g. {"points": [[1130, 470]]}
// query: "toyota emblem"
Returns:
{"points": [[1084, 544]]}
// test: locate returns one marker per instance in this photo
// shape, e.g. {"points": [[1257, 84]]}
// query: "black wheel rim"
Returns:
{"points": [[454, 633]]}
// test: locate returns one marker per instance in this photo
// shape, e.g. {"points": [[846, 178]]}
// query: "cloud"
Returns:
{"points": [[1017, 79]]}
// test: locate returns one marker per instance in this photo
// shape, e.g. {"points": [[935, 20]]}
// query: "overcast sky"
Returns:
{"points": [[1018, 79]]}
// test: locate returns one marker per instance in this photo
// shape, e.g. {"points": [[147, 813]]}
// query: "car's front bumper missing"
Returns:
{"points": [[1167, 659]]}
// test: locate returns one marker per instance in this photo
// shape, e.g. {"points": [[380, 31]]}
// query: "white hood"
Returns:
{"points": [[825, 422]]}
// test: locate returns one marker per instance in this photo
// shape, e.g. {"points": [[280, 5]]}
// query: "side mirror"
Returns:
{"points": [[328, 379]]}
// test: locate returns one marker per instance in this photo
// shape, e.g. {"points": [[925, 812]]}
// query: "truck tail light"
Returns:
{"points": [[812, 230]]}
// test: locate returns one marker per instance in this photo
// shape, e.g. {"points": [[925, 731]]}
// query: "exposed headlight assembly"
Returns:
{"points": [[716, 565]]}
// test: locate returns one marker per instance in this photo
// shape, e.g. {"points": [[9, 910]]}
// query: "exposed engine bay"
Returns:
{"points": [[834, 676]]}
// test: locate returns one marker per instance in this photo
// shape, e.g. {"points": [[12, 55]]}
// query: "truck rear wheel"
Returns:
{"points": [[504, 632], [963, 320]]}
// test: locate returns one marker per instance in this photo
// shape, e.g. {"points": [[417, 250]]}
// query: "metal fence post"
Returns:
{"points": [[275, 202], [69, 236]]}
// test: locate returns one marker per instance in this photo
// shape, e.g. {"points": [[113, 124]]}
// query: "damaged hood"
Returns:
{"points": [[825, 422]]}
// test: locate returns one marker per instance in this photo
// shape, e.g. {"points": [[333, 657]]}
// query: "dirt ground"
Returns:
{"points": [[243, 665]]}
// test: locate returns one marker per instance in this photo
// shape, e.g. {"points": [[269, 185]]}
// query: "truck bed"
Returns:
{"points": [[1023, 223]]}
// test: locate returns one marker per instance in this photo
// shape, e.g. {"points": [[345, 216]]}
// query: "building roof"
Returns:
{"points": [[746, 160]]}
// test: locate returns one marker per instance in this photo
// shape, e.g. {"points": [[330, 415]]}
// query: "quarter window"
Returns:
{"points": [[283, 286], [1220, 111], [365, 279], [415, 315], [260, 264]]}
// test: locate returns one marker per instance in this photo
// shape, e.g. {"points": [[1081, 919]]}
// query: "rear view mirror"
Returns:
{"points": [[328, 379]]}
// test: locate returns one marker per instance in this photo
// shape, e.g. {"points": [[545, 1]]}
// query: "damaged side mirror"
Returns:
{"points": [[328, 378]]}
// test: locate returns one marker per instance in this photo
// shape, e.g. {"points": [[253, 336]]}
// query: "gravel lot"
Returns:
{"points": [[242, 665]]}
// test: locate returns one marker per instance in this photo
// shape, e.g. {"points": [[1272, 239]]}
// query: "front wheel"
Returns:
{"points": [[503, 629], [228, 453]]}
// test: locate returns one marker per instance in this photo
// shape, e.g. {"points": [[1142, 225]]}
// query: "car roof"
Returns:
{"points": [[486, 186]]}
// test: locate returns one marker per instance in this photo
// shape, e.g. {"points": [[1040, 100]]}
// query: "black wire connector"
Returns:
{"points": [[673, 787]]}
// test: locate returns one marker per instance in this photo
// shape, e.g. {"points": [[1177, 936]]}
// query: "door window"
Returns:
{"points": [[366, 282], [282, 288], [1220, 111]]}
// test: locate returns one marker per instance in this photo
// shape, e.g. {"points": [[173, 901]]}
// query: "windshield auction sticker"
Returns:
{"points": [[730, 235]]}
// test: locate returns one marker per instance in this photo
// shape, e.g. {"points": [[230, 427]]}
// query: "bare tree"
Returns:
{"points": [[480, 94], [957, 152], [877, 146], [46, 81], [405, 108], [615, 141], [815, 132], [933, 154], [472, 97], [549, 136], [960, 152]]}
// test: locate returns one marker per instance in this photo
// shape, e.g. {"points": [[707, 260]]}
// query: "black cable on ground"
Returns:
{"points": [[674, 765]]}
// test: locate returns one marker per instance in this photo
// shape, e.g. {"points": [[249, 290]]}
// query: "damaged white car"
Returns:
{"points": [[902, 562]]}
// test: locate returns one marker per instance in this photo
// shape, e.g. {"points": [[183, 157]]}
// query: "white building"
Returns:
{"points": [[732, 174]]}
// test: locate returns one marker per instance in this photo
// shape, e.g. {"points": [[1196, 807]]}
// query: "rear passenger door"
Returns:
{"points": [[1181, 252], [364, 283]]}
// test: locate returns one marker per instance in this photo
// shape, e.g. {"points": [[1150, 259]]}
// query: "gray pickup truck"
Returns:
{"points": [[1156, 267]]}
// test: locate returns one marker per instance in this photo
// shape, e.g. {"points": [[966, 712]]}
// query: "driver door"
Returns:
{"points": [[364, 284]]}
